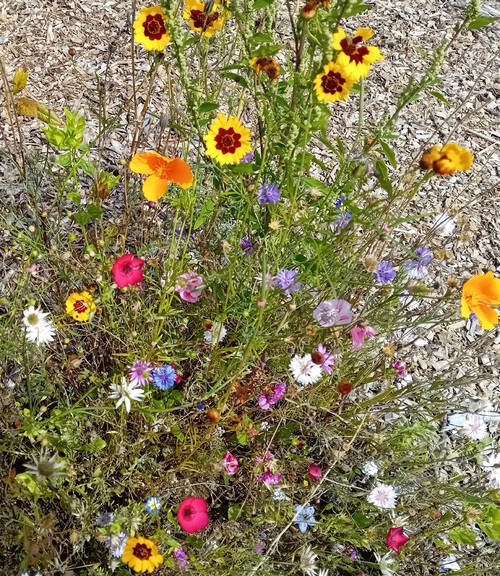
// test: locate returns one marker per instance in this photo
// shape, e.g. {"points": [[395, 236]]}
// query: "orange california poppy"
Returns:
{"points": [[162, 171], [479, 293]]}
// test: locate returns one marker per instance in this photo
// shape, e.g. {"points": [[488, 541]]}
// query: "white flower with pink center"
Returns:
{"points": [[383, 496]]}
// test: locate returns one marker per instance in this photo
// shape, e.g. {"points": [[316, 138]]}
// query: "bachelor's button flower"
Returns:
{"points": [[215, 334], [164, 377], [385, 273], [268, 193], [331, 312], [116, 543], [475, 427], [152, 505], [247, 246], [304, 517], [304, 370], [370, 468], [105, 519], [140, 372], [286, 280], [383, 496], [417, 268]]}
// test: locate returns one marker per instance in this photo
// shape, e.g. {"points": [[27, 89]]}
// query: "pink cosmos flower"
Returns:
{"points": [[127, 270], [358, 335], [189, 286], [315, 472], [332, 312], [396, 538], [322, 357], [271, 395], [230, 464], [269, 478], [193, 514]]}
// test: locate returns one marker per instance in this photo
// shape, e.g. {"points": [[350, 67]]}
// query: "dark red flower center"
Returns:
{"points": [[126, 269], [317, 358], [332, 82], [355, 53], [154, 27], [202, 20], [80, 307], [188, 513], [142, 551], [227, 141]]}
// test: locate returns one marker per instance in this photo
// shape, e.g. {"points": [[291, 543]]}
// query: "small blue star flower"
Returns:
{"points": [[304, 517], [164, 377], [152, 505]]}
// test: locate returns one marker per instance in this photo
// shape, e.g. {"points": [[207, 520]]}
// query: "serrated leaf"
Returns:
{"points": [[207, 107], [20, 80], [27, 107], [74, 197], [258, 4], [389, 153], [439, 96], [481, 22], [205, 213], [64, 159], [463, 536], [490, 524]]}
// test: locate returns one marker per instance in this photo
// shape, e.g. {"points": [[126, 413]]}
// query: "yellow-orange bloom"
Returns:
{"points": [[141, 554], [334, 83], [149, 28], [356, 59], [450, 158], [203, 23], [227, 140], [479, 293], [267, 65], [162, 171], [80, 306]]}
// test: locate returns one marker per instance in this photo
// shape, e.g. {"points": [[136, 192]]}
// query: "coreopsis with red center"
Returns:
{"points": [[80, 306], [227, 140], [193, 515], [205, 22], [127, 270], [354, 58], [149, 28], [396, 539], [333, 83], [161, 171], [447, 160]]}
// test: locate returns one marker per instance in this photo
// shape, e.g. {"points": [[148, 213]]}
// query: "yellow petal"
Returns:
{"points": [[154, 188], [140, 162], [337, 39], [364, 33], [487, 317]]}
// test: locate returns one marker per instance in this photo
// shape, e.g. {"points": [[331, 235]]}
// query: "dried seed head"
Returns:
{"points": [[370, 263], [389, 349]]}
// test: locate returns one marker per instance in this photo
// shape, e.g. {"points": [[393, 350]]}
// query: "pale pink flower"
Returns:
{"points": [[189, 286], [358, 335], [269, 478], [383, 496], [400, 368], [475, 427], [331, 312], [230, 463]]}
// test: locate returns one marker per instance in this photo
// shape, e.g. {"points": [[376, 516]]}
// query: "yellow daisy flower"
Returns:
{"points": [[149, 28], [141, 554], [227, 140], [334, 83], [450, 158], [205, 24], [356, 59], [80, 306]]}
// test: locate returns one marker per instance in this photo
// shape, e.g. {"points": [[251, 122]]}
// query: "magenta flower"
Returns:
{"points": [[189, 286], [271, 395], [322, 357], [230, 463], [358, 335], [400, 368], [315, 472], [269, 478], [265, 458], [127, 270], [140, 372], [332, 312], [395, 539]]}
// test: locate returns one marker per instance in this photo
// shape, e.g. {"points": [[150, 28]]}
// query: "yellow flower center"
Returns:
{"points": [[33, 319]]}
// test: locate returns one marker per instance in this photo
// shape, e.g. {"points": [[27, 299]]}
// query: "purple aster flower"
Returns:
{"points": [[116, 543], [286, 280], [331, 312], [247, 246], [341, 221], [140, 372], [417, 268], [249, 157], [268, 193], [269, 478], [385, 273], [105, 519], [180, 557], [164, 377], [271, 395], [322, 357]]}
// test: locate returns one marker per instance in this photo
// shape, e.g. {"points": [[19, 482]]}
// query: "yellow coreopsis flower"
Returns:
{"points": [[356, 59], [141, 554], [227, 140], [149, 28], [267, 65], [334, 83], [479, 293], [447, 160], [204, 23], [80, 306]]}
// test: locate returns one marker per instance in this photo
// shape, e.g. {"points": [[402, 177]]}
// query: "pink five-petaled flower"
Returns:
{"points": [[269, 478], [331, 312], [396, 538], [400, 368], [358, 335], [315, 472], [193, 515], [230, 463], [127, 270], [271, 395], [323, 358], [189, 285]]}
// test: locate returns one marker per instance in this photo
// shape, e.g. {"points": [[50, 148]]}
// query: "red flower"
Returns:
{"points": [[127, 270], [193, 514], [395, 539], [315, 472]]}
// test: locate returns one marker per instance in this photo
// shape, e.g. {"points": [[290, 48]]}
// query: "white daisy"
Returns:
{"points": [[216, 334], [308, 562], [304, 370], [475, 427], [125, 393], [383, 496], [38, 330], [370, 468], [444, 224]]}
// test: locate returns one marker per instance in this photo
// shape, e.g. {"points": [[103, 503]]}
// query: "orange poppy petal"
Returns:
{"points": [[140, 163], [180, 173], [487, 317], [154, 188], [489, 287], [465, 310]]}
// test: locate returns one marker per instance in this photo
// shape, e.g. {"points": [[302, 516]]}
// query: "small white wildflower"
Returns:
{"points": [[308, 562], [304, 370], [45, 467], [38, 329], [370, 468], [216, 334], [475, 427], [125, 393], [279, 495], [387, 564], [444, 224], [449, 563], [383, 496], [265, 426]]}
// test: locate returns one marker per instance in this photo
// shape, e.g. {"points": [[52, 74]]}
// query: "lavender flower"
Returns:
{"points": [[116, 543], [341, 221], [180, 557], [417, 268], [286, 280], [268, 194], [331, 312], [249, 157], [385, 273], [247, 246], [140, 372], [164, 377]]}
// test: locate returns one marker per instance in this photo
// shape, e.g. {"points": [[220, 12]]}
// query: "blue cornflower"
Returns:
{"points": [[417, 268], [164, 377], [268, 194], [200, 406], [341, 221], [105, 519], [340, 199], [116, 543], [304, 516], [152, 505], [286, 280], [247, 246], [385, 273], [249, 157]]}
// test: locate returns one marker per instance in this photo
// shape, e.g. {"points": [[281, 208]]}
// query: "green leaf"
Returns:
{"points": [[74, 197], [207, 107], [361, 520], [389, 152], [355, 7], [261, 38], [234, 512], [490, 524], [27, 480], [463, 536], [94, 211], [383, 176], [481, 22], [237, 78], [177, 432], [258, 4], [314, 183], [64, 159], [242, 438], [205, 213], [87, 167], [83, 218], [439, 96], [243, 168]]}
